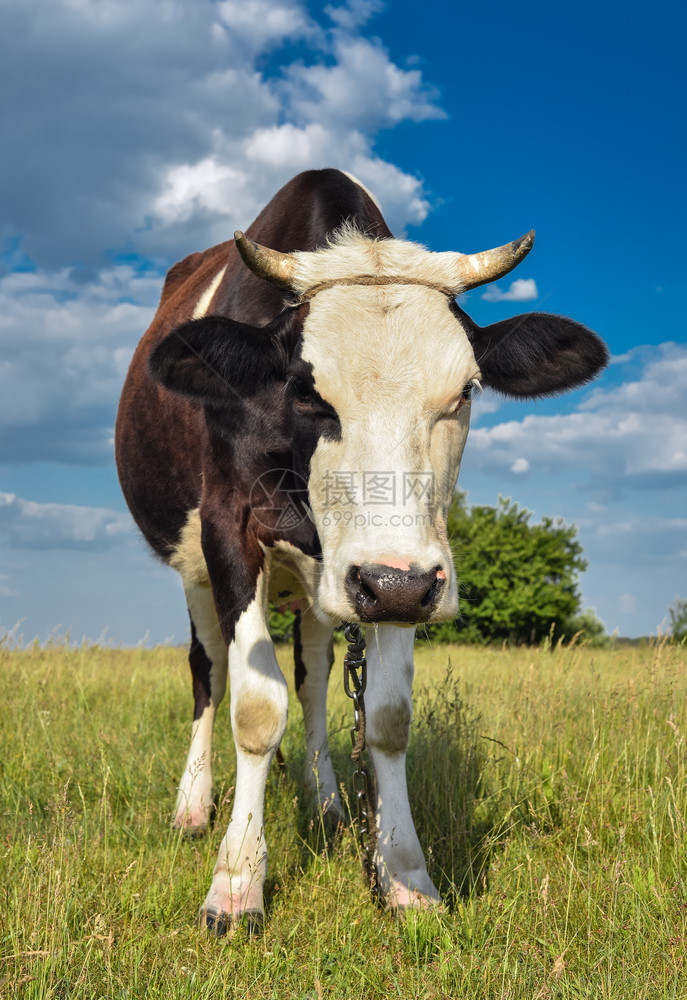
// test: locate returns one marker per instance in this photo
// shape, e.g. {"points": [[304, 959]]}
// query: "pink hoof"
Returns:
{"points": [[193, 822], [401, 899]]}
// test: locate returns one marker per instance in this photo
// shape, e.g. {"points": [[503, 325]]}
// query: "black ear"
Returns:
{"points": [[214, 357], [537, 354]]}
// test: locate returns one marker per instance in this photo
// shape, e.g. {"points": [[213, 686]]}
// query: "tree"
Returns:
{"points": [[678, 619], [518, 580]]}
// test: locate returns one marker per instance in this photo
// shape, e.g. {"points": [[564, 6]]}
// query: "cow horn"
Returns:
{"points": [[478, 268], [268, 264]]}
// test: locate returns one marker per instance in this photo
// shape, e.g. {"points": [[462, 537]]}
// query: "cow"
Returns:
{"points": [[290, 431]]}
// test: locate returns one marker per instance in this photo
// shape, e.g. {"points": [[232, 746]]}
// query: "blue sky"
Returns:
{"points": [[140, 131]]}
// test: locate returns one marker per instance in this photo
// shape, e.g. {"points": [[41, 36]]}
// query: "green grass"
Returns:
{"points": [[549, 789]]}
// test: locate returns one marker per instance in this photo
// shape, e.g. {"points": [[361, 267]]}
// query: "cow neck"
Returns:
{"points": [[373, 279]]}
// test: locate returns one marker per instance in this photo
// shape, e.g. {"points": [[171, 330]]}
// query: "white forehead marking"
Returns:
{"points": [[397, 347], [203, 303]]}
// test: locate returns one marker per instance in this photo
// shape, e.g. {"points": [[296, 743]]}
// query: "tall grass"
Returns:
{"points": [[549, 791]]}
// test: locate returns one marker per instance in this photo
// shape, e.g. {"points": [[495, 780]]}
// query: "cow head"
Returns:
{"points": [[378, 378]]}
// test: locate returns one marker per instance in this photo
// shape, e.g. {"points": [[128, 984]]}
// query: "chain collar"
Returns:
{"points": [[355, 682]]}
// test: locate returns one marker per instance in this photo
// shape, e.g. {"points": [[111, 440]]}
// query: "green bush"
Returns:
{"points": [[518, 580]]}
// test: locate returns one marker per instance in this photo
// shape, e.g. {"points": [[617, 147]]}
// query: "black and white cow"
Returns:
{"points": [[291, 429]]}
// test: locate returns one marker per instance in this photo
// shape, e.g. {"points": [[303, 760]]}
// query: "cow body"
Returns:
{"points": [[303, 447]]}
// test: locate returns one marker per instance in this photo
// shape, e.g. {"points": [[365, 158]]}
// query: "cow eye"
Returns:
{"points": [[302, 391], [461, 400], [458, 402]]}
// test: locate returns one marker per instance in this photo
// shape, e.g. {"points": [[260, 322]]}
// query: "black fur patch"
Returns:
{"points": [[312, 416], [201, 665], [300, 673]]}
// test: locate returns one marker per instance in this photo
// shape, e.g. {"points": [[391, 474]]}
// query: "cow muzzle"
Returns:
{"points": [[380, 593]]}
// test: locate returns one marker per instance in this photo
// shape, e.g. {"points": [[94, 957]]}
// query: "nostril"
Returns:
{"points": [[360, 586], [432, 594]]}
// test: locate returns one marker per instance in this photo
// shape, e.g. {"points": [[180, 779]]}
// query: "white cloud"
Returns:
{"points": [[168, 146], [66, 340], [520, 290], [354, 13], [633, 434], [362, 89], [520, 465], [30, 525], [661, 387], [178, 138], [258, 25]]}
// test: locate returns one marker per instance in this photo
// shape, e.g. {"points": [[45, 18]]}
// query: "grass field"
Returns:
{"points": [[549, 789]]}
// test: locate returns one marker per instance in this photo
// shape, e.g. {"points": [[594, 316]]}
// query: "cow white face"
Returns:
{"points": [[381, 393]]}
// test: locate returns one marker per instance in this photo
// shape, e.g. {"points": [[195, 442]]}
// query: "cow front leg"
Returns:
{"points": [[314, 655], [401, 869], [259, 704], [208, 661]]}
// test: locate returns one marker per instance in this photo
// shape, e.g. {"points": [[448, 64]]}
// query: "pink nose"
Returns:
{"points": [[394, 562]]}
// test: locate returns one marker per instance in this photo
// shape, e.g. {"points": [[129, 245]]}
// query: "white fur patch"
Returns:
{"points": [[291, 570], [187, 558], [203, 303]]}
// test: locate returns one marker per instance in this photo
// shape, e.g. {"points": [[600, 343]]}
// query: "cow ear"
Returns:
{"points": [[213, 357], [537, 354]]}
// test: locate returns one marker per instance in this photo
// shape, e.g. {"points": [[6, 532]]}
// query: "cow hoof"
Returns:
{"points": [[401, 900], [194, 823], [219, 924], [419, 904]]}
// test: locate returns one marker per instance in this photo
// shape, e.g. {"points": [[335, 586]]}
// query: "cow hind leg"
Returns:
{"points": [[259, 704], [208, 661], [314, 655]]}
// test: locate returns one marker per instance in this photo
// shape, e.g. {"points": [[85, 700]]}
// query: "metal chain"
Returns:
{"points": [[355, 682]]}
